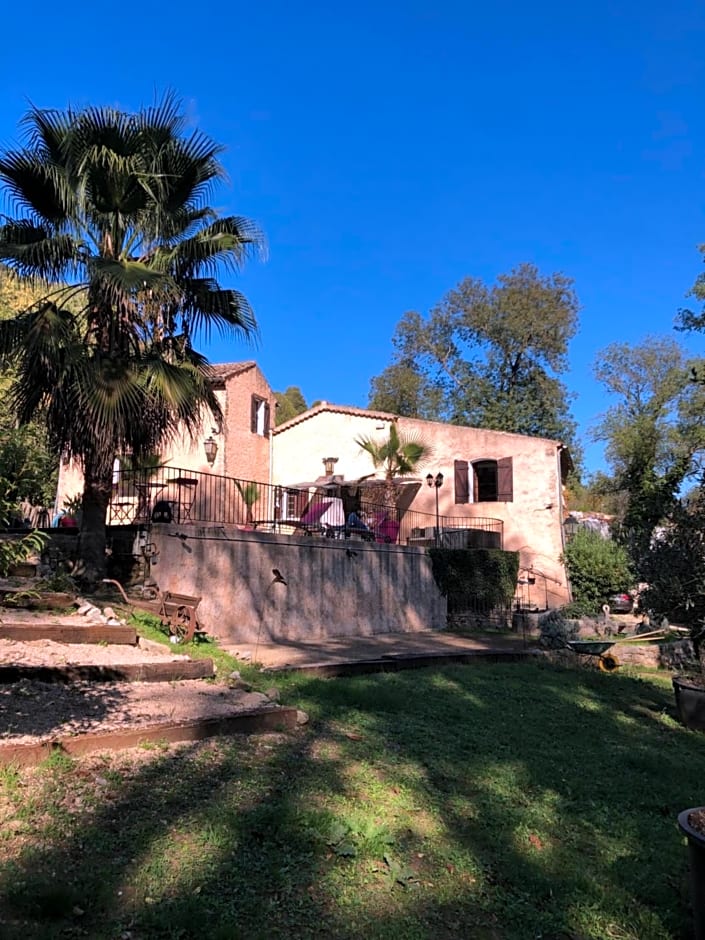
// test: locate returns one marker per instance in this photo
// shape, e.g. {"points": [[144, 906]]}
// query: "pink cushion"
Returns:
{"points": [[314, 513], [387, 531]]}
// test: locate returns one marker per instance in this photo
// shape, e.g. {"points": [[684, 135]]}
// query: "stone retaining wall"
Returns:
{"points": [[275, 587], [675, 656]]}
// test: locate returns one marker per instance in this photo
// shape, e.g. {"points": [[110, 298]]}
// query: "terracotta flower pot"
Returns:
{"points": [[696, 857]]}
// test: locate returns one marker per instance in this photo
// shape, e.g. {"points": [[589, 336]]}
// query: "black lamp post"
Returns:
{"points": [[436, 482]]}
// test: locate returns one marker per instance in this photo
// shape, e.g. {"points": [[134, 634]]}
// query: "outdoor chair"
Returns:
{"points": [[386, 529]]}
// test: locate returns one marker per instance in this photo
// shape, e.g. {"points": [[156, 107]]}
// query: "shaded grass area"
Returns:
{"points": [[505, 801]]}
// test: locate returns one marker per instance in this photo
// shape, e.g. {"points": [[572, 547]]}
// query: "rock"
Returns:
{"points": [[245, 655], [85, 608], [114, 622], [273, 694], [109, 613], [234, 674], [301, 717], [251, 699]]}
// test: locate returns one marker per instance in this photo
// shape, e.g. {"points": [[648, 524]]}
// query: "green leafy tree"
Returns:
{"points": [[597, 567], [675, 567], [402, 389], [289, 404], [653, 432], [398, 456], [111, 215], [487, 357], [598, 493], [28, 466]]}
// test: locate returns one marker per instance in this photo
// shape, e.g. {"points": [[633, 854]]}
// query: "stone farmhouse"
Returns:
{"points": [[506, 483], [487, 475]]}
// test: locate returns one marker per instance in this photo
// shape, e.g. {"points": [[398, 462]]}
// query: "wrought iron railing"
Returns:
{"points": [[173, 494]]}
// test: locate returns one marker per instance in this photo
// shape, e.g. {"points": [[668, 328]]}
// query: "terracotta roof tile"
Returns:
{"points": [[225, 370], [336, 409], [388, 416]]}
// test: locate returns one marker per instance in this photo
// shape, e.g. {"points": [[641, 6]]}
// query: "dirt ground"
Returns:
{"points": [[33, 712]]}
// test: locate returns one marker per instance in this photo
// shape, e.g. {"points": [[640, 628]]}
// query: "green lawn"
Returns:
{"points": [[506, 801]]}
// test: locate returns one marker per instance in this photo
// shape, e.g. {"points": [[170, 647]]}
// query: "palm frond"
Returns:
{"points": [[226, 242], [35, 186], [46, 131], [207, 306], [35, 251]]}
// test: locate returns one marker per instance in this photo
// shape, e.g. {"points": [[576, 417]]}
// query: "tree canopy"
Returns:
{"points": [[653, 432], [111, 221], [289, 404], [487, 357], [28, 466]]}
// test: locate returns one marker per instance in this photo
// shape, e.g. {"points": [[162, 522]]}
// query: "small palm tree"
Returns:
{"points": [[398, 456], [249, 493], [111, 219]]}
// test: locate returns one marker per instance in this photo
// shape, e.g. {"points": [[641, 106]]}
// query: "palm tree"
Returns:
{"points": [[111, 219], [249, 493], [398, 456]]}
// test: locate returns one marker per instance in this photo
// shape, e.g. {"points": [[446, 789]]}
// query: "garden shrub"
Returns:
{"points": [[14, 550], [597, 568], [674, 569], [577, 610], [555, 630], [484, 577]]}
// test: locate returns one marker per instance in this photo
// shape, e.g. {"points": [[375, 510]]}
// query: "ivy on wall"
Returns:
{"points": [[468, 577]]}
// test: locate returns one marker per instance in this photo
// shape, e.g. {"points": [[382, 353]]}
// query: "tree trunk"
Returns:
{"points": [[391, 495], [92, 538]]}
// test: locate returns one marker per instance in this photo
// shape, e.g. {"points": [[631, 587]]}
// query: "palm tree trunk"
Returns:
{"points": [[391, 495], [92, 538]]}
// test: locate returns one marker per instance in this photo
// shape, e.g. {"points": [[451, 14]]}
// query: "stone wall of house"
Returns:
{"points": [[532, 519], [246, 454], [276, 587]]}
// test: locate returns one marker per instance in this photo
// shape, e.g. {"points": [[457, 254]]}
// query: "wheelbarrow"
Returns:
{"points": [[607, 662]]}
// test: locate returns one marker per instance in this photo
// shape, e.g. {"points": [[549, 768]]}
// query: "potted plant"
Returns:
{"points": [[692, 825]]}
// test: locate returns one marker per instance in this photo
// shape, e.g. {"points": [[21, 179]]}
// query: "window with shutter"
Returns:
{"points": [[485, 481], [462, 482], [505, 480], [493, 481], [259, 416]]}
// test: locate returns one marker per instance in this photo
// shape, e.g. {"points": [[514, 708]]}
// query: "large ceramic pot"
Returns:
{"points": [[696, 857], [690, 702]]}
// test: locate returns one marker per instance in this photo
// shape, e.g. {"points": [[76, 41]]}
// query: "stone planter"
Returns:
{"points": [[696, 858], [690, 702]]}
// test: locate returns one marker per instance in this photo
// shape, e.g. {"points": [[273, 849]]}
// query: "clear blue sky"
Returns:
{"points": [[390, 149]]}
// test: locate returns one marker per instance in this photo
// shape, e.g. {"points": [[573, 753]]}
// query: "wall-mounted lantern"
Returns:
{"points": [[211, 449], [329, 465]]}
